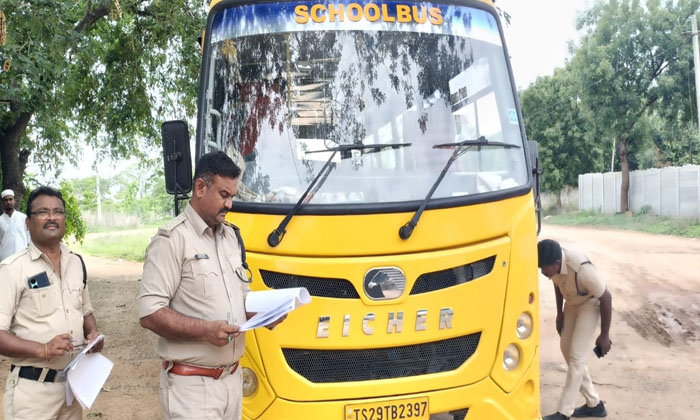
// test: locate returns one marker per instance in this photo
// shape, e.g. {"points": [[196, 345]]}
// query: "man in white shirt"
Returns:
{"points": [[14, 235]]}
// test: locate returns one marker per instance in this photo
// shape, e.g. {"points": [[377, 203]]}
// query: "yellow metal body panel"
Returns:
{"points": [[347, 247], [484, 400]]}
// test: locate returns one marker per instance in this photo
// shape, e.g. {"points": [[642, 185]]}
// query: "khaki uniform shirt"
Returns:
{"points": [[578, 280], [195, 271], [41, 314]]}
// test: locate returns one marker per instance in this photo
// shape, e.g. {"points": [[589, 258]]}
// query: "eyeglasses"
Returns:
{"points": [[45, 213]]}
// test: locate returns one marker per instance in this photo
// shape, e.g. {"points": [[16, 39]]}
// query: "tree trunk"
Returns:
{"points": [[559, 202], [625, 168], [14, 161]]}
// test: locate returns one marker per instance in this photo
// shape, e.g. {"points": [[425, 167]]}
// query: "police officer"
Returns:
{"points": [[192, 295], [588, 300], [45, 314]]}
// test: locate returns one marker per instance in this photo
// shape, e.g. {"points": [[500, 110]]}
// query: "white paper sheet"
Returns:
{"points": [[266, 300], [87, 376], [62, 375], [271, 305]]}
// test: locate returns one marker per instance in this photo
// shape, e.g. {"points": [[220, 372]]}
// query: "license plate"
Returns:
{"points": [[406, 409]]}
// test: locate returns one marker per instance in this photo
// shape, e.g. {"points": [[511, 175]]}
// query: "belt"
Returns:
{"points": [[34, 373], [188, 370]]}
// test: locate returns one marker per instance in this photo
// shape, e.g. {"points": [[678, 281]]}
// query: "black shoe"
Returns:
{"points": [[586, 411], [556, 416]]}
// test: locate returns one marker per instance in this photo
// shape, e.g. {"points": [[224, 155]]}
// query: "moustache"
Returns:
{"points": [[225, 210], [47, 224]]}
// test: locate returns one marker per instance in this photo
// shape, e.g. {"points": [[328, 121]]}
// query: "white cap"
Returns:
{"points": [[6, 193]]}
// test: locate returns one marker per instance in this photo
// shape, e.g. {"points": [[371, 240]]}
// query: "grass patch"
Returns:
{"points": [[92, 228], [643, 222], [129, 245]]}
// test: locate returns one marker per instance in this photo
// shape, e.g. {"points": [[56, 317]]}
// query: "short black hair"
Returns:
{"points": [[43, 190], [548, 252], [215, 163]]}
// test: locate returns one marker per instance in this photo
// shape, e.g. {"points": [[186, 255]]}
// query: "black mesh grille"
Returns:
{"points": [[456, 414], [317, 286], [443, 279], [324, 366]]}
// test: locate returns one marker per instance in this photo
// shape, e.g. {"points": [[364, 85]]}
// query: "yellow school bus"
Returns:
{"points": [[386, 170]]}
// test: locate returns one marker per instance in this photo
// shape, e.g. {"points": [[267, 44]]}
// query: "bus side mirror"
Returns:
{"points": [[177, 160], [536, 171]]}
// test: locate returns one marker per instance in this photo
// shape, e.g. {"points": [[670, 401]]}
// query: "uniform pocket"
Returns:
{"points": [[75, 297], [186, 397], [205, 277], [45, 299]]}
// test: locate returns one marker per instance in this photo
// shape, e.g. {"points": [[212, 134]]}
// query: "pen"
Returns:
{"points": [[228, 321]]}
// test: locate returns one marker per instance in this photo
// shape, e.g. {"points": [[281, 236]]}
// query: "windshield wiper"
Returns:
{"points": [[460, 148], [276, 236]]}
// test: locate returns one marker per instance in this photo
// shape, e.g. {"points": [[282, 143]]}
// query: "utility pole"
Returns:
{"points": [[612, 161], [99, 201], [696, 60]]}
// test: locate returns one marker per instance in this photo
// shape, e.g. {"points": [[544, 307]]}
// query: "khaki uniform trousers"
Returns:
{"points": [[25, 399], [201, 397], [577, 337]]}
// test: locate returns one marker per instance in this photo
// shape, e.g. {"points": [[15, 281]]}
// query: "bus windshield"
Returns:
{"points": [[290, 82]]}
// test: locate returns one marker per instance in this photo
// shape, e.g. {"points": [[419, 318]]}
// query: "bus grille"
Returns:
{"points": [[326, 366], [443, 279], [317, 286]]}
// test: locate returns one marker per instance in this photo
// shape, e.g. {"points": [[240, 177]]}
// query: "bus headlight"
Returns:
{"points": [[250, 382], [524, 328], [511, 357]]}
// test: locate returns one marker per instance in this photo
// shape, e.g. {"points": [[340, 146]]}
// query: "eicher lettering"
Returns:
{"points": [[394, 323]]}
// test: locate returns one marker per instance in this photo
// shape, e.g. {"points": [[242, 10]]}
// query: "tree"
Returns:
{"points": [[555, 118], [108, 70], [624, 63]]}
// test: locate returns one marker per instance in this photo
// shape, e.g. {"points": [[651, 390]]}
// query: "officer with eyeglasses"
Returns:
{"points": [[45, 314], [14, 236], [193, 290]]}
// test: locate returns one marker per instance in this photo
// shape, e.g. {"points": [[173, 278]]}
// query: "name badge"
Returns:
{"points": [[201, 257]]}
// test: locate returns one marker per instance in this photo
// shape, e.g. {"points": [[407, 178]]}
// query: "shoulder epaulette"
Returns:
{"points": [[229, 224], [172, 224], [13, 257]]}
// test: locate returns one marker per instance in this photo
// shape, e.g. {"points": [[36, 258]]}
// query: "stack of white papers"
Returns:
{"points": [[271, 305], [85, 375]]}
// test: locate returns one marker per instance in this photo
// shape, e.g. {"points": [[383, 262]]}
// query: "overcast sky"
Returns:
{"points": [[539, 35]]}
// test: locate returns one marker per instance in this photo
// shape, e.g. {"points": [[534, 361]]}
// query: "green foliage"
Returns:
{"points": [[646, 209], [75, 226], [641, 222], [555, 118], [101, 71], [129, 245], [629, 80], [138, 190], [632, 62]]}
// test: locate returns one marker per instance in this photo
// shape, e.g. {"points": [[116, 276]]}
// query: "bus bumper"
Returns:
{"points": [[483, 400]]}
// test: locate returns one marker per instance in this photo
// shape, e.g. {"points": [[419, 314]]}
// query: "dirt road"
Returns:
{"points": [[653, 371]]}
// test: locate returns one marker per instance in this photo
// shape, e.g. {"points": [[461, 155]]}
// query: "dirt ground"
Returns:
{"points": [[652, 372]]}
